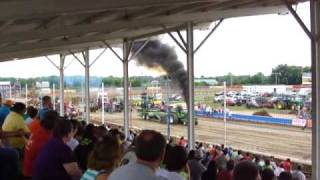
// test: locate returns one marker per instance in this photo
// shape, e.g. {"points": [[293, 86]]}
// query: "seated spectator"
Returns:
{"points": [[195, 166], [9, 158], [245, 170], [285, 176], [150, 149], [56, 160], [31, 115], [103, 159], [73, 143], [5, 110], [182, 142], [38, 140], [221, 160], [86, 144], [247, 157], [34, 125], [267, 174], [130, 155], [211, 172], [14, 122], [175, 164], [298, 174], [226, 174]]}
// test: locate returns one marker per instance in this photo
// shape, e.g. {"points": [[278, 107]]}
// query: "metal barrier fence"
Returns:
{"points": [[243, 117]]}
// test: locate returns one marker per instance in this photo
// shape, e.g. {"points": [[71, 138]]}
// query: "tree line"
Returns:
{"points": [[281, 74]]}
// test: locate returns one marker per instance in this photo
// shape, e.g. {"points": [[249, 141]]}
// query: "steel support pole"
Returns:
{"points": [[102, 103], [54, 96], [190, 102], [126, 51], [61, 96], [26, 94], [87, 83], [315, 67]]}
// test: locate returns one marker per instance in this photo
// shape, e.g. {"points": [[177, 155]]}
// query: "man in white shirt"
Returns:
{"points": [[150, 150]]}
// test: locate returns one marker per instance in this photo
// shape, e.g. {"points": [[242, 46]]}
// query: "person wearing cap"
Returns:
{"points": [[5, 110]]}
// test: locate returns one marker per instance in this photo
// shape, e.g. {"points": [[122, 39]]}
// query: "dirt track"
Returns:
{"points": [[279, 141]]}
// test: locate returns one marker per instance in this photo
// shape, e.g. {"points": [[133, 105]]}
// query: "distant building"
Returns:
{"points": [[280, 89], [306, 78], [209, 81], [5, 89], [43, 88]]}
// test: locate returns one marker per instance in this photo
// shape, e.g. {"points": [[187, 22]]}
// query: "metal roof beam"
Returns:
{"points": [[6, 24], [208, 35], [43, 8], [79, 30]]}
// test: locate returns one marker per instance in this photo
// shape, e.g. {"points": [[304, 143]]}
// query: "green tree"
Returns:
{"points": [[285, 74]]}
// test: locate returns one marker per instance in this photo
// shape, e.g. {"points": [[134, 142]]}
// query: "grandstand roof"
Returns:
{"points": [[30, 28]]}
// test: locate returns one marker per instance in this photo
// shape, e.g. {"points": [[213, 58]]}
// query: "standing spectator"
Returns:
{"points": [[5, 110], [46, 106], [287, 165], [226, 174], [150, 149], [103, 159], [298, 174], [211, 172], [14, 122], [245, 170], [195, 166], [56, 160], [86, 144], [38, 140], [175, 164]]}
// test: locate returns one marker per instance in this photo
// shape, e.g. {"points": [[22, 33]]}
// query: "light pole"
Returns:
{"points": [[168, 109], [224, 112], [276, 74]]}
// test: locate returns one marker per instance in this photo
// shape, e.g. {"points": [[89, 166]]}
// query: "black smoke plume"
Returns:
{"points": [[156, 54]]}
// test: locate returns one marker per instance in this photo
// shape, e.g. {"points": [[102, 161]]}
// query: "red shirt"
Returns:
{"points": [[224, 175], [34, 125], [286, 166], [32, 149]]}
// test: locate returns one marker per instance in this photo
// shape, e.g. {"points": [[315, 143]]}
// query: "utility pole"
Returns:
{"points": [[276, 74]]}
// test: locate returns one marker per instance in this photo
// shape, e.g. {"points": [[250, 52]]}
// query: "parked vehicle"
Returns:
{"points": [[259, 102]]}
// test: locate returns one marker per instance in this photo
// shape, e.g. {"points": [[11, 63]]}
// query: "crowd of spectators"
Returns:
{"points": [[41, 145]]}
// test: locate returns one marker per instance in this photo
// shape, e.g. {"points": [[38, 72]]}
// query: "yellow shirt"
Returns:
{"points": [[15, 122]]}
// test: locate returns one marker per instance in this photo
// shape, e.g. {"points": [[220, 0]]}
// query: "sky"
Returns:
{"points": [[241, 46]]}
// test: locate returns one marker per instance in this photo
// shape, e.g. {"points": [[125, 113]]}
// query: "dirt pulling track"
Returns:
{"points": [[279, 141]]}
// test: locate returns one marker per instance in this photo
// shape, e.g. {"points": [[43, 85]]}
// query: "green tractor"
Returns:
{"points": [[149, 111]]}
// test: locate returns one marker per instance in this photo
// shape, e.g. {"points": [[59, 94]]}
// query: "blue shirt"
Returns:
{"points": [[42, 112], [4, 111]]}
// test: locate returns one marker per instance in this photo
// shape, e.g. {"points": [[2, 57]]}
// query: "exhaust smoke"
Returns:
{"points": [[156, 54]]}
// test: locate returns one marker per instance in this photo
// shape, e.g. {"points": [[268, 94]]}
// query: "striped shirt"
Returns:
{"points": [[90, 174]]}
